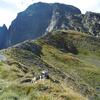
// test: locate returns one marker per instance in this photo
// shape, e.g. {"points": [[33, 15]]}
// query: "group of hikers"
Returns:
{"points": [[44, 75]]}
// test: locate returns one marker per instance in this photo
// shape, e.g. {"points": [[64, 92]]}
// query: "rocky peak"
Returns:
{"points": [[4, 27], [3, 36], [36, 20], [67, 9], [91, 22], [41, 18]]}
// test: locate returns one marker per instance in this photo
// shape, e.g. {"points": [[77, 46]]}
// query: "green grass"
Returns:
{"points": [[69, 58]]}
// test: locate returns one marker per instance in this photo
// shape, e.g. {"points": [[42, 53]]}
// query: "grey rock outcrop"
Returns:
{"points": [[3, 37], [91, 22]]}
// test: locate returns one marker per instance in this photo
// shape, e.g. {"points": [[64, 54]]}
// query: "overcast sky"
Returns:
{"points": [[10, 8]]}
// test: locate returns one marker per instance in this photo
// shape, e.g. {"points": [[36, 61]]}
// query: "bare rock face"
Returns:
{"points": [[39, 18], [91, 22], [3, 37], [88, 23]]}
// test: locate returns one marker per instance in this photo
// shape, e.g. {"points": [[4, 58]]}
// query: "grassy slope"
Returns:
{"points": [[69, 57]]}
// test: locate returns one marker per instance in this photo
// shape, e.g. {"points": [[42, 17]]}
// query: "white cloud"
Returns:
{"points": [[86, 5], [10, 8], [6, 17]]}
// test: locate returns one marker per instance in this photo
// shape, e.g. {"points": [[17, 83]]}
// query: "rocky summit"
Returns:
{"points": [[37, 19], [40, 18]]}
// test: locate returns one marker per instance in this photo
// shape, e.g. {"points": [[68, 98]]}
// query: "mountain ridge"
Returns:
{"points": [[39, 14], [54, 16], [67, 69], [41, 18]]}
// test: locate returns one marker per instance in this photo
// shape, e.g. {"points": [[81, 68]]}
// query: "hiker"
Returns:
{"points": [[44, 75], [33, 80]]}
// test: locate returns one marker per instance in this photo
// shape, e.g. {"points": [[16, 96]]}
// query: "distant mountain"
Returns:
{"points": [[40, 18], [3, 37]]}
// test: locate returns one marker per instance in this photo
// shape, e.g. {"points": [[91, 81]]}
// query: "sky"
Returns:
{"points": [[10, 8]]}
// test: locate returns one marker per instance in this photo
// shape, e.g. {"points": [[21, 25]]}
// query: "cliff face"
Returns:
{"points": [[3, 37], [37, 19], [91, 22]]}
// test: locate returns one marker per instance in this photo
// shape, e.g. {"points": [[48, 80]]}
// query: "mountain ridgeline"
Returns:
{"points": [[41, 18]]}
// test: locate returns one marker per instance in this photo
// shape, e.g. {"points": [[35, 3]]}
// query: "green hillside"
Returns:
{"points": [[71, 58]]}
